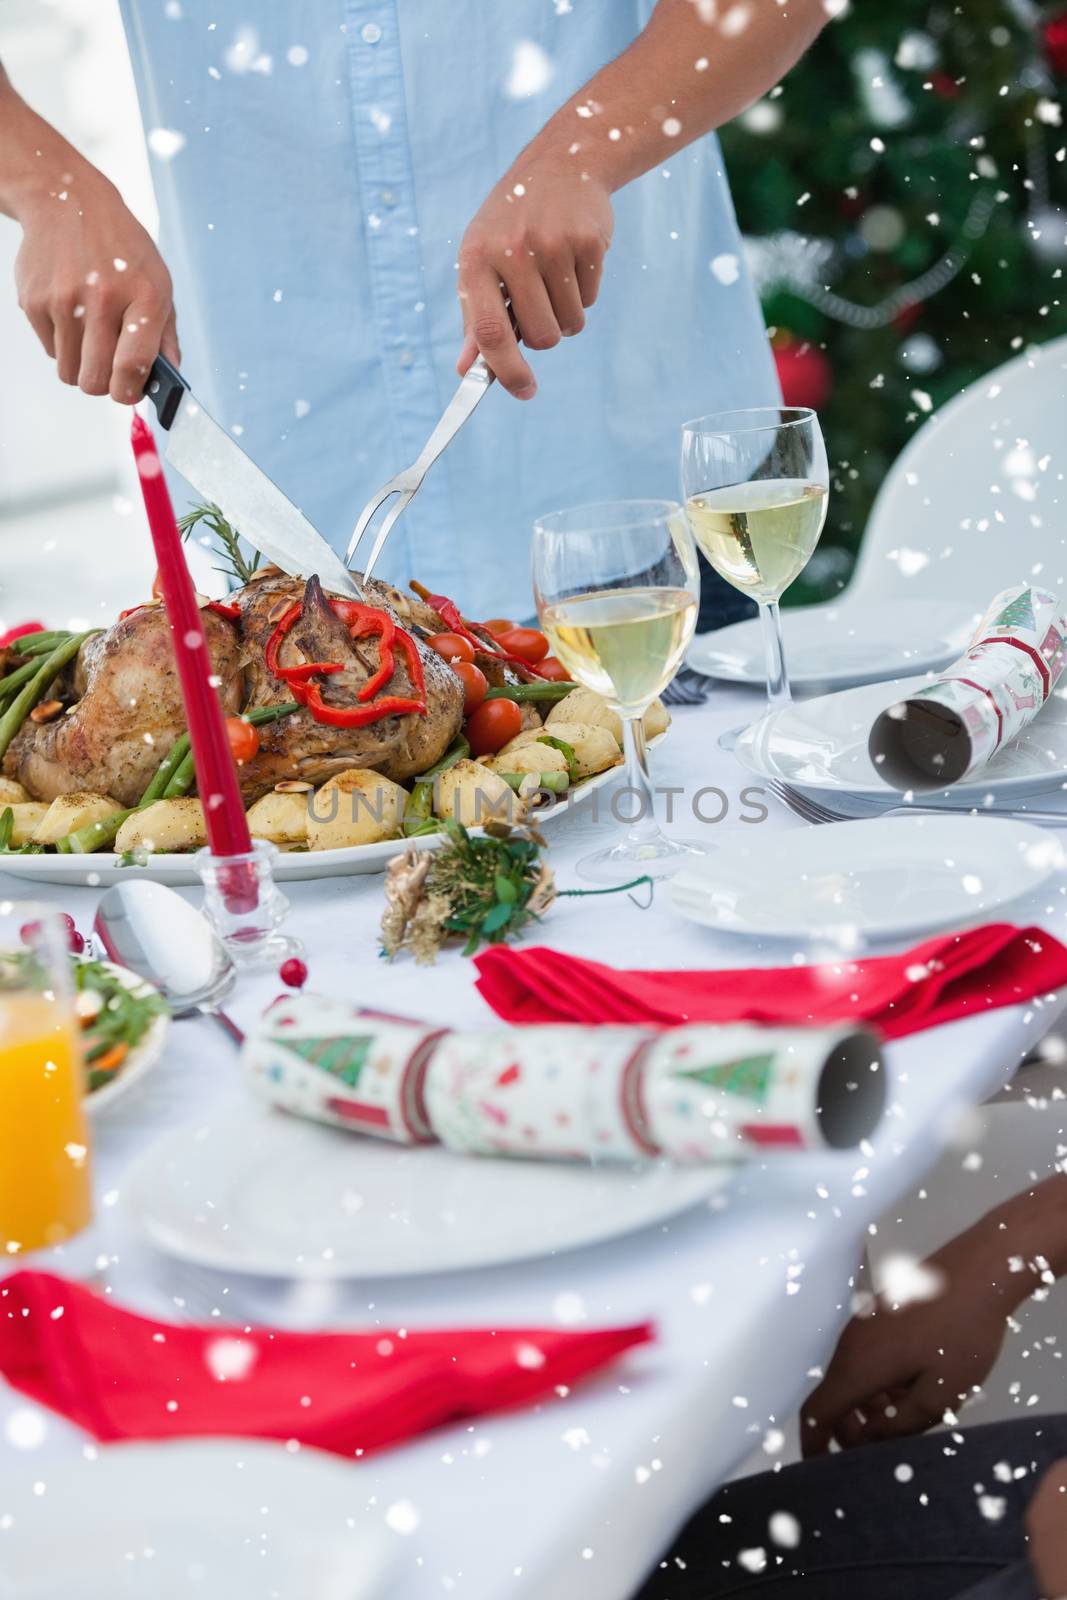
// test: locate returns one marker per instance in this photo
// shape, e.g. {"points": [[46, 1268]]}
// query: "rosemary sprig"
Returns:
{"points": [[228, 540]]}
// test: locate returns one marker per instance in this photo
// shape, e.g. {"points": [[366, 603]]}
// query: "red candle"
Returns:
{"points": [[216, 775]]}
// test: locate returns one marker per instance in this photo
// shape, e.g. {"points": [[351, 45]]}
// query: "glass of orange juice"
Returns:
{"points": [[45, 1193]]}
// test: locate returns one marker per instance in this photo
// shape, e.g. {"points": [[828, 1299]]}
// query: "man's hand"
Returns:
{"points": [[540, 237], [539, 240], [896, 1372], [89, 278], [1046, 1529]]}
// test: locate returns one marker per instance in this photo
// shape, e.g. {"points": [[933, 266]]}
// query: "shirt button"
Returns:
{"points": [[406, 358], [388, 197], [370, 33]]}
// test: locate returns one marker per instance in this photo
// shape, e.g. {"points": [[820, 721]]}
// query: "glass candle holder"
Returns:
{"points": [[245, 906]]}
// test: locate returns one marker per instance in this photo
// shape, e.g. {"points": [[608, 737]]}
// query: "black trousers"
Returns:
{"points": [[931, 1518]]}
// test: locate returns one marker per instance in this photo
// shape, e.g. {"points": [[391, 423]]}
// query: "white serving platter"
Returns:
{"points": [[844, 643], [221, 1519], [873, 879], [820, 746], [294, 866], [263, 1192]]}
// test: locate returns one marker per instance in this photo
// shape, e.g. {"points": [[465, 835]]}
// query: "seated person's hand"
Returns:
{"points": [[897, 1371], [1046, 1530]]}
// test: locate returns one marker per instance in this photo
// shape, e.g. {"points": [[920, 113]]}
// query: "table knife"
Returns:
{"points": [[217, 467]]}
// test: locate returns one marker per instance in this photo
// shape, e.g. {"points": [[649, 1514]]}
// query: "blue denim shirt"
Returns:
{"points": [[334, 152]]}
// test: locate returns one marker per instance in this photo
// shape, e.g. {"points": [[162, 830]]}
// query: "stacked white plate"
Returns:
{"points": [[819, 747], [842, 643]]}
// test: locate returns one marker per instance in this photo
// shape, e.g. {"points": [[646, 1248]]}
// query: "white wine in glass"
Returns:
{"points": [[617, 587], [759, 535], [627, 644], [756, 485]]}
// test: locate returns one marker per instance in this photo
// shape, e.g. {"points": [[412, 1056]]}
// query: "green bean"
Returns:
{"points": [[32, 691], [549, 691], [554, 782], [14, 680], [35, 644]]}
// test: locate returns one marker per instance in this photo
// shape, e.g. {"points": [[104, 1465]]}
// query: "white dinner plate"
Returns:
{"points": [[887, 876], [262, 1192], [220, 1519], [820, 746], [843, 643], [144, 1055], [291, 866]]}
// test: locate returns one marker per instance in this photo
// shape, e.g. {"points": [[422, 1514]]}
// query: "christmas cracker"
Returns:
{"points": [[951, 727], [566, 1092], [335, 1063]]}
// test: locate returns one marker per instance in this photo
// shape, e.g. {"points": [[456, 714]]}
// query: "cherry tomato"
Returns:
{"points": [[474, 684], [244, 739], [554, 670], [452, 646], [492, 726], [497, 625], [529, 644]]}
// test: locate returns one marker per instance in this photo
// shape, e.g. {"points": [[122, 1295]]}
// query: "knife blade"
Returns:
{"points": [[216, 466]]}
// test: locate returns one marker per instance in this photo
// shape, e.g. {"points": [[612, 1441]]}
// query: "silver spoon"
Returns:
{"points": [[156, 934]]}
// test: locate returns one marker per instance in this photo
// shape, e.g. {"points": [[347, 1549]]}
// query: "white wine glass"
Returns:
{"points": [[756, 484], [617, 588]]}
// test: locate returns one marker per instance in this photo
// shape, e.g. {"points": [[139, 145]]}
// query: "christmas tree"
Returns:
{"points": [[902, 194]]}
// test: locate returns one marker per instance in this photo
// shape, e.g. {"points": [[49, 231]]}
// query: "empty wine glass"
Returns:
{"points": [[617, 587], [756, 484]]}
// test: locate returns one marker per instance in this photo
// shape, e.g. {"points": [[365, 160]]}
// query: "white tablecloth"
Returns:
{"points": [[582, 1495]]}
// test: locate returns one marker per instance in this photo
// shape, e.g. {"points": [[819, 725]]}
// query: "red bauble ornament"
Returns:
{"points": [[944, 86], [1054, 34], [803, 372], [293, 972]]}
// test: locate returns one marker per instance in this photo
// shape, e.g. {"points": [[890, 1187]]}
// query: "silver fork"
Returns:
{"points": [[406, 485], [814, 811]]}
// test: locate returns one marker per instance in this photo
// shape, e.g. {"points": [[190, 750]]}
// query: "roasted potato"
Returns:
{"points": [[27, 814], [164, 826], [11, 793], [473, 794], [584, 705], [595, 748], [532, 757], [68, 812], [281, 817], [357, 806]]}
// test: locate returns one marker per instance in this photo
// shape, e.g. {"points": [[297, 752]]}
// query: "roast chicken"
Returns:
{"points": [[123, 705]]}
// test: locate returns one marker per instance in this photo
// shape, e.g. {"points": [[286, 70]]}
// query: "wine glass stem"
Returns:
{"points": [[644, 826], [778, 692]]}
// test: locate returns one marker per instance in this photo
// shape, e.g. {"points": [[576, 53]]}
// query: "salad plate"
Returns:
{"points": [[820, 746], [262, 1192], [121, 1014]]}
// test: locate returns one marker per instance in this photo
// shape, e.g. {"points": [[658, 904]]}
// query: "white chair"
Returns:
{"points": [[976, 501]]}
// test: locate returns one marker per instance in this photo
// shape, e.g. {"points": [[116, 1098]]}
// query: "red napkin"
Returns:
{"points": [[953, 975], [122, 1376]]}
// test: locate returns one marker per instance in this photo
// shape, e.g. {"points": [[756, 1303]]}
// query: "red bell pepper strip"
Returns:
{"points": [[21, 631], [359, 716], [361, 621]]}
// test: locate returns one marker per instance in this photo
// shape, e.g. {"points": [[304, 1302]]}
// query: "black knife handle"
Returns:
{"points": [[165, 388]]}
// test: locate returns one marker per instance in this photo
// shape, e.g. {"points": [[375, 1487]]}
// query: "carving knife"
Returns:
{"points": [[216, 466]]}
